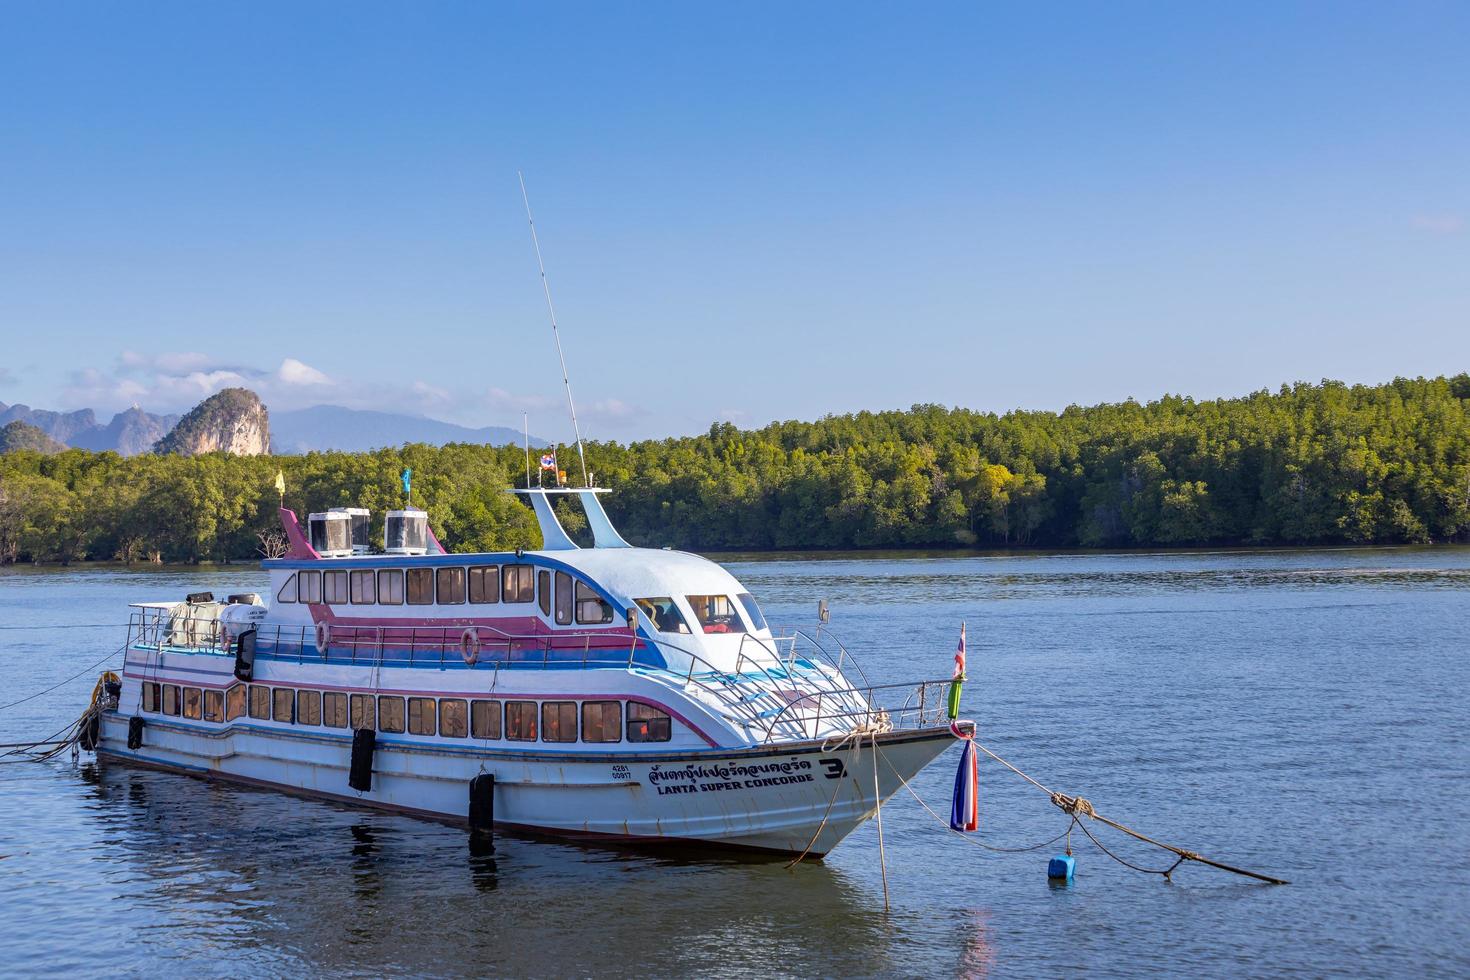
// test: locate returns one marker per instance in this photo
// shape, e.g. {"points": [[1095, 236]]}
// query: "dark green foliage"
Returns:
{"points": [[1310, 464]]}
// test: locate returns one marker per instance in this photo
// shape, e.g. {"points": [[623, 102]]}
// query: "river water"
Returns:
{"points": [[1303, 713]]}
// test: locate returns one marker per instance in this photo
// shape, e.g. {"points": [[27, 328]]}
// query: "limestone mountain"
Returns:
{"points": [[19, 435], [231, 421]]}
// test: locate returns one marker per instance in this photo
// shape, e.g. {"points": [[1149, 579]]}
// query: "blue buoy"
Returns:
{"points": [[1060, 868]]}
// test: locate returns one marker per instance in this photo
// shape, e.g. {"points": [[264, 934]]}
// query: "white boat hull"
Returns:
{"points": [[785, 798]]}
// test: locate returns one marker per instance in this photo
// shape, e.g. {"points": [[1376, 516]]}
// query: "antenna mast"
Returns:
{"points": [[546, 287]]}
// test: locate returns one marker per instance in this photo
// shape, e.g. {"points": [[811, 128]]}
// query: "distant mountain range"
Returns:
{"points": [[129, 433], [316, 429], [352, 430]]}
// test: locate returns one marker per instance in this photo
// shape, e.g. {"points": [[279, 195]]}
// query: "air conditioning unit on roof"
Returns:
{"points": [[406, 532], [331, 534]]}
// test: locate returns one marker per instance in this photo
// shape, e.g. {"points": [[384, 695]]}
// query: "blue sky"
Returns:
{"points": [[756, 212]]}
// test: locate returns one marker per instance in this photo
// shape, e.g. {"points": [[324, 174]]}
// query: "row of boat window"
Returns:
{"points": [[482, 585], [559, 595], [517, 721]]}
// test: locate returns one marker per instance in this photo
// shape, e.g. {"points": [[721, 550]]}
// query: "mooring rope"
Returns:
{"points": [[71, 732], [68, 680], [1078, 806], [965, 837], [830, 744]]}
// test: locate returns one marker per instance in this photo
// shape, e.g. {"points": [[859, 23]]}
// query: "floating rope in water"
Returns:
{"points": [[1078, 807]]}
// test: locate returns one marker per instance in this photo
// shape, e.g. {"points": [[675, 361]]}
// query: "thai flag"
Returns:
{"points": [[964, 810], [548, 461], [959, 657]]}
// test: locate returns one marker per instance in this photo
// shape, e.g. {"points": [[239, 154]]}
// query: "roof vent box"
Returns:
{"points": [[406, 532], [331, 534], [359, 519]]}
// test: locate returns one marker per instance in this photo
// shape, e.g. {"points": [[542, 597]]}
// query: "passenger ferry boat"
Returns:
{"points": [[613, 693]]}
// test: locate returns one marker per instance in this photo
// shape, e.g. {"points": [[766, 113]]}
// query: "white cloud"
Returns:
{"points": [[1442, 223], [166, 362], [500, 398], [613, 408], [431, 393], [293, 372]]}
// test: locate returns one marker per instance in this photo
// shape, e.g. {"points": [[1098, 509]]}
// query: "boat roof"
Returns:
{"points": [[611, 562]]}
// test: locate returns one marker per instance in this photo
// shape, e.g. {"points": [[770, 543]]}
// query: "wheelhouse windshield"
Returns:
{"points": [[716, 614], [664, 615], [752, 611]]}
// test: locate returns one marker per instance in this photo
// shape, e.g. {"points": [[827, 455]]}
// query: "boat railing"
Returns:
{"points": [[764, 694], [872, 709], [801, 644]]}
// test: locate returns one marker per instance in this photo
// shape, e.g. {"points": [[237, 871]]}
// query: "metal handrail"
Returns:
{"points": [[867, 710], [736, 695]]}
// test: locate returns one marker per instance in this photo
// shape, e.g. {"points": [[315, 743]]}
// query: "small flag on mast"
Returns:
{"points": [[548, 461], [958, 681], [959, 656]]}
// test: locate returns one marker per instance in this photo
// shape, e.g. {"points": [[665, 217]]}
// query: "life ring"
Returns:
{"points": [[323, 637], [469, 645]]}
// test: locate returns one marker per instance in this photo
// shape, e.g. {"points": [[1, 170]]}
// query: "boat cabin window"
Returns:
{"points": [[421, 716], [334, 709], [235, 702], [334, 587], [602, 721], [420, 586], [214, 705], [716, 613], [648, 724], [665, 616], [451, 586], [591, 607], [518, 583], [150, 696], [520, 720], [363, 591], [308, 707], [308, 586], [752, 611], [170, 699], [283, 704], [485, 584], [559, 721], [390, 713], [454, 718], [390, 587], [543, 589], [260, 701], [563, 599], [193, 703], [485, 719], [288, 590], [362, 714]]}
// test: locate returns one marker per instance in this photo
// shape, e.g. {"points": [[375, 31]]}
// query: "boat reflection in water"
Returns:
{"points": [[276, 884]]}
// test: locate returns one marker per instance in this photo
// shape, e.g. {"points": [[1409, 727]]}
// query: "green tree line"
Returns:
{"points": [[1309, 464]]}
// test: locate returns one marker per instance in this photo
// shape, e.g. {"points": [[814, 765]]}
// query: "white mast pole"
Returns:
{"points": [[546, 287], [526, 430]]}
